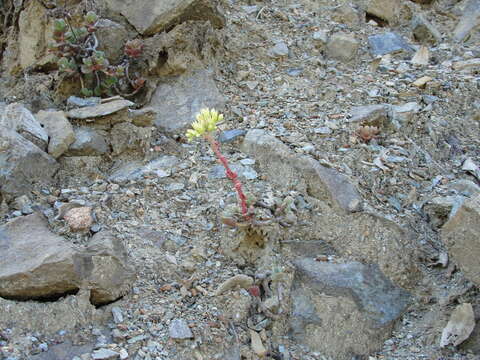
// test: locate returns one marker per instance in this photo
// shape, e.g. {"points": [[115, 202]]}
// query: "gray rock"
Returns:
{"points": [[369, 238], [47, 267], [342, 46], [229, 136], [63, 351], [59, 130], [179, 330], [103, 267], [88, 141], [91, 112], [387, 43], [403, 114], [374, 115], [18, 118], [126, 136], [23, 165], [111, 38], [148, 18], [75, 101], [245, 172], [279, 50], [439, 208], [160, 167], [352, 307], [105, 354], [347, 14], [283, 167], [117, 315], [460, 235], [30, 269], [388, 10], [470, 19], [179, 99], [424, 31], [465, 187], [48, 318]]}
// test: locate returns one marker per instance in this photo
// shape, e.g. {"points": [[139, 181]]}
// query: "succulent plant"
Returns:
{"points": [[77, 55]]}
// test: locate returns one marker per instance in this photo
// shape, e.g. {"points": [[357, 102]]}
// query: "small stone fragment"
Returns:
{"points": [[470, 19], [424, 31], [421, 57], [59, 130], [179, 330], [421, 82], [229, 136], [279, 50], [342, 46], [459, 327], [79, 219], [240, 280], [105, 354], [75, 101], [257, 345], [117, 315]]}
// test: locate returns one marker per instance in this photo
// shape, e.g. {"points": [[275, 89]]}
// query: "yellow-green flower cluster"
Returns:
{"points": [[206, 122]]}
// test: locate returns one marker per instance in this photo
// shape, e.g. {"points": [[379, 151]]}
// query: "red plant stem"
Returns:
{"points": [[230, 174]]}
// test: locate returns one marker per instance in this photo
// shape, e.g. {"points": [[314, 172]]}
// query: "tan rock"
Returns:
{"points": [[79, 219], [257, 345]]}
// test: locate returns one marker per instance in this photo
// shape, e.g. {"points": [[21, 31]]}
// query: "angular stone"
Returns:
{"points": [[160, 167], [347, 14], [18, 118], [111, 38], [386, 43], [289, 170], [90, 112], [228, 136], [30, 268], [470, 19], [88, 141], [104, 269], [279, 50], [439, 208], [460, 235], [179, 330], [76, 102], [179, 99], [342, 46], [32, 23], [388, 10], [105, 354], [59, 130], [23, 165], [467, 65], [403, 114], [424, 31], [373, 115], [149, 18], [351, 306], [126, 136]]}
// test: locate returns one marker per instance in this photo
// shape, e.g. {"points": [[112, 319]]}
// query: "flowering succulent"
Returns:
{"points": [[133, 48], [206, 123]]}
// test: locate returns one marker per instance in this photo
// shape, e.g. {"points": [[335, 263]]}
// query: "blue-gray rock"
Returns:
{"points": [[279, 50], [246, 172], [351, 306], [228, 136], [179, 330], [117, 315], [386, 43]]}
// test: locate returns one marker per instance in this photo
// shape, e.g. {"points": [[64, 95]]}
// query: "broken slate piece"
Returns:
{"points": [[105, 109], [105, 354], [459, 327], [387, 43], [179, 329]]}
